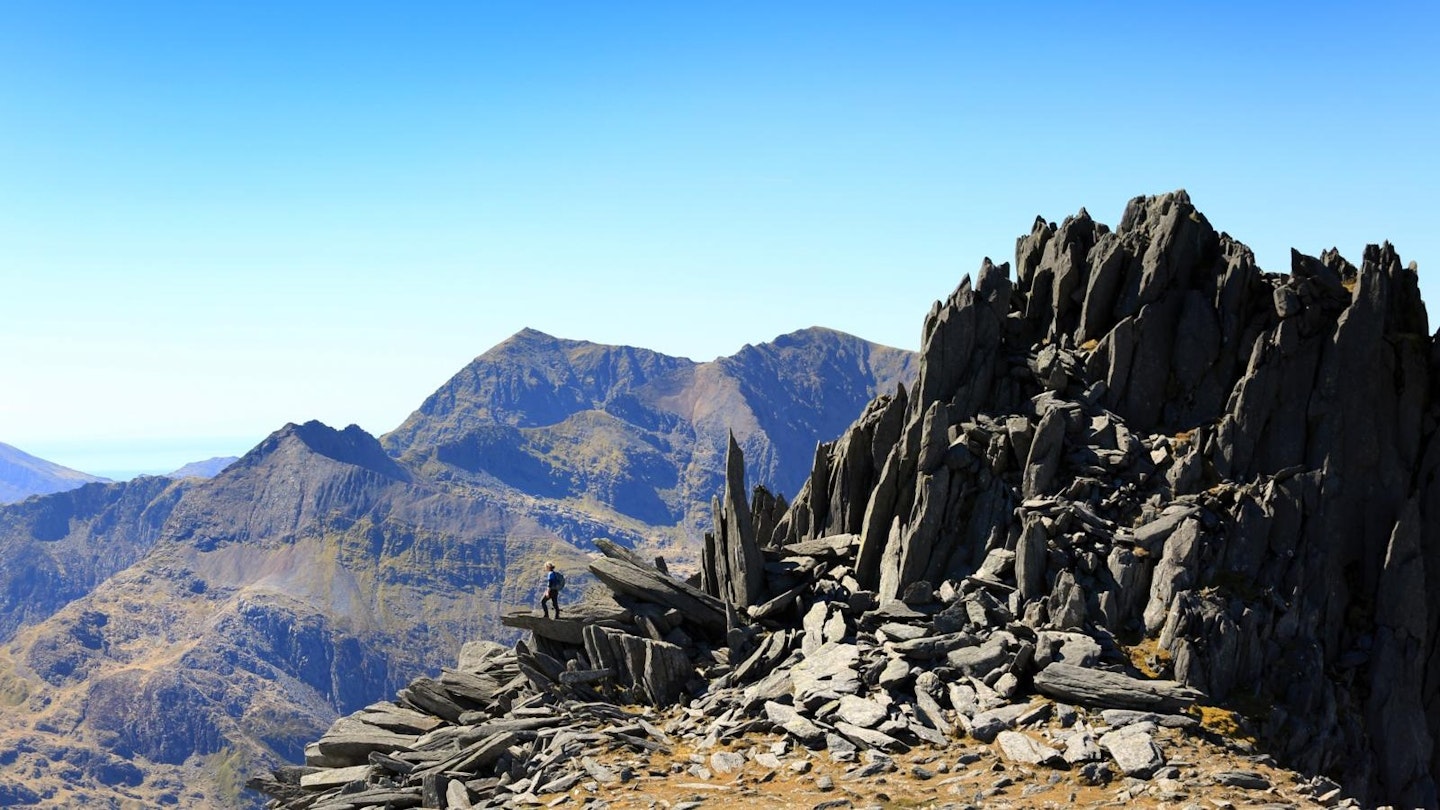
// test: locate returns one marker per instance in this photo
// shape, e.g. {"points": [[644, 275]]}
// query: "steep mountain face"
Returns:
{"points": [[320, 572], [641, 433], [23, 475], [58, 548]]}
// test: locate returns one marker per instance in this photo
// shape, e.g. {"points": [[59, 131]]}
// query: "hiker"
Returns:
{"points": [[554, 581]]}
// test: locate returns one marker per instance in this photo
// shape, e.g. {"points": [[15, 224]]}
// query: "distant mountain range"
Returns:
{"points": [[169, 634], [209, 468], [23, 475]]}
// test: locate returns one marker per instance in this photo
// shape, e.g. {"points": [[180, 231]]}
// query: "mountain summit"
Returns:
{"points": [[639, 432], [167, 633]]}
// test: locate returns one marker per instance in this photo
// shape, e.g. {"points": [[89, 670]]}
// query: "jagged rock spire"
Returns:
{"points": [[732, 568]]}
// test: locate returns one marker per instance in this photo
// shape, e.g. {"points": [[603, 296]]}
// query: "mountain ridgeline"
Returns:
{"points": [[1147, 439], [168, 632], [639, 431], [1138, 476], [23, 475]]}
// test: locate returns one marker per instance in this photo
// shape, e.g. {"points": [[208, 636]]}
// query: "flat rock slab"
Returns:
{"points": [[1080, 746], [860, 711], [896, 631], [832, 547], [767, 761], [795, 724], [1024, 749], [383, 797], [1134, 752], [335, 777], [1248, 780], [1119, 718], [565, 630], [726, 761], [986, 726], [397, 719], [1102, 689], [932, 646], [831, 670], [870, 738]]}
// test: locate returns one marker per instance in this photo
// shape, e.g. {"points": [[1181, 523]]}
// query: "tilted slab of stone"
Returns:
{"points": [[658, 670], [650, 585], [426, 694], [482, 656], [796, 724], [397, 718], [1110, 690], [1157, 530], [834, 546], [860, 711], [476, 755], [987, 725], [1134, 752], [933, 646], [479, 732], [870, 738], [829, 672], [471, 686], [1023, 748], [566, 630], [378, 797], [335, 777], [350, 741]]}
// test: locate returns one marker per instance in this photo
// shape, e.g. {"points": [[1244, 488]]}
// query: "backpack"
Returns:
{"points": [[559, 581]]}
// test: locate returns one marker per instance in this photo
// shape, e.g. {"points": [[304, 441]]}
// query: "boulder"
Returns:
{"points": [[1103, 689]]}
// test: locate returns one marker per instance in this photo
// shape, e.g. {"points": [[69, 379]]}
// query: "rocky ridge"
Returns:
{"points": [[1140, 480], [160, 640]]}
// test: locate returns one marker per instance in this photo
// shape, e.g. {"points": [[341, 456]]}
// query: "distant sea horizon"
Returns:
{"points": [[124, 459]]}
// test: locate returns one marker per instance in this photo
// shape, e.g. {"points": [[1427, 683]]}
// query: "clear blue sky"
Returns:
{"points": [[219, 217]]}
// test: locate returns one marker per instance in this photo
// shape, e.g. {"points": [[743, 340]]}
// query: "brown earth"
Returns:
{"points": [[968, 773]]}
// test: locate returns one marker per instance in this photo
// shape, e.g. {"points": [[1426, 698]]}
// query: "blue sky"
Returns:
{"points": [[219, 217]]}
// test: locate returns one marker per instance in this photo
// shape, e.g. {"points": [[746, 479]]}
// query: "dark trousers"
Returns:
{"points": [[552, 595]]}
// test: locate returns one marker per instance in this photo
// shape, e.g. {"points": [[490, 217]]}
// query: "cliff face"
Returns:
{"points": [[638, 432], [58, 548], [1160, 441]]}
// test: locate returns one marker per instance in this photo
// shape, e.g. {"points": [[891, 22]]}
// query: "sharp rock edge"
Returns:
{"points": [[1140, 451]]}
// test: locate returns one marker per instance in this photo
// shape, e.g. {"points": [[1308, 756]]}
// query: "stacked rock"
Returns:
{"points": [[1141, 447]]}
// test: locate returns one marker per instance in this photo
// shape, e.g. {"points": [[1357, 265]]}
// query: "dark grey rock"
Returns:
{"points": [[1103, 689], [1249, 780]]}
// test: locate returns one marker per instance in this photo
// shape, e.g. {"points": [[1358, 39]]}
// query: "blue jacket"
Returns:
{"points": [[552, 580]]}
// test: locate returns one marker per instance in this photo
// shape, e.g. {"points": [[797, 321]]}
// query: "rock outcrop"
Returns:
{"points": [[228, 620], [1139, 476]]}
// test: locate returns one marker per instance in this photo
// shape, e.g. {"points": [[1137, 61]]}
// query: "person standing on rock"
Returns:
{"points": [[554, 581]]}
